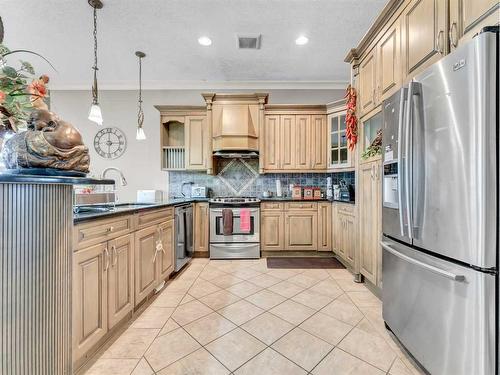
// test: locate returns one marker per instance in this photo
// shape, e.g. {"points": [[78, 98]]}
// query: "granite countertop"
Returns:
{"points": [[130, 208], [14, 178], [289, 199]]}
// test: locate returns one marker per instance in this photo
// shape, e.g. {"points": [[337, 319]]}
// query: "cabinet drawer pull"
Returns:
{"points": [[115, 255], [453, 35], [106, 256], [111, 228], [439, 37]]}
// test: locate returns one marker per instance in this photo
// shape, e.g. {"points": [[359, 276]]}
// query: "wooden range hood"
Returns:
{"points": [[236, 120]]}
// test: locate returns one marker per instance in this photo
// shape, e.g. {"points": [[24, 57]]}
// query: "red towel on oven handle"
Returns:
{"points": [[227, 221], [245, 220]]}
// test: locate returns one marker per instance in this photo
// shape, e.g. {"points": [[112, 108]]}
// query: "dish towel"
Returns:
{"points": [[227, 221], [244, 220]]}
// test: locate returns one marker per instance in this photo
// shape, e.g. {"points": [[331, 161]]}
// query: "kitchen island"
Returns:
{"points": [[35, 269]]}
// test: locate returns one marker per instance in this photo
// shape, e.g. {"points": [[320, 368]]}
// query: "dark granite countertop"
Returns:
{"points": [[130, 208], [10, 178], [290, 199]]}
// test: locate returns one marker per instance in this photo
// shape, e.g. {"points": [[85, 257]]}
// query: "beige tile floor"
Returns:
{"points": [[239, 317]]}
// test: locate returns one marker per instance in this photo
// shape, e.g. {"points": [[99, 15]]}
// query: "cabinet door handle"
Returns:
{"points": [[156, 253], [453, 35], [115, 255], [106, 256], [439, 37]]}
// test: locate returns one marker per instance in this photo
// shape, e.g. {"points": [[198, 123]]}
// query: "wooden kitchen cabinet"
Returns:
{"points": [[324, 226], [272, 149], [146, 271], [201, 228], [287, 142], [303, 149], [468, 17], [295, 139], [120, 278], [339, 155], [165, 257], [370, 218], [425, 34], [301, 230], [272, 230], [368, 82], [319, 152], [90, 299], [345, 233], [196, 141], [389, 62]]}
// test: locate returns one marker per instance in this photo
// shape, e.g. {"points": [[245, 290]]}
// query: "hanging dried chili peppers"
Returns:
{"points": [[351, 120]]}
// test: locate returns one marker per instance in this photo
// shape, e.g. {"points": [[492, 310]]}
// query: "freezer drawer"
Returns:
{"points": [[444, 314]]}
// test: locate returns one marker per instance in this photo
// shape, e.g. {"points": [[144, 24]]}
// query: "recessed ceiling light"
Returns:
{"points": [[204, 40], [301, 40]]}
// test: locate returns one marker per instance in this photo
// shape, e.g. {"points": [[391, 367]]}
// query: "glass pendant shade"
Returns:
{"points": [[140, 135], [95, 114]]}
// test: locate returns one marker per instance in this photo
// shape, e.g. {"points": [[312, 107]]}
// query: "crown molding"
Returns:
{"points": [[209, 85]]}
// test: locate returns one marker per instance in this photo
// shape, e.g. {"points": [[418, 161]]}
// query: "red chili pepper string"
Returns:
{"points": [[351, 120]]}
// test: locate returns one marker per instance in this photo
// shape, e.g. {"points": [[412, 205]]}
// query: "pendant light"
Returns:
{"points": [[140, 135], [95, 114]]}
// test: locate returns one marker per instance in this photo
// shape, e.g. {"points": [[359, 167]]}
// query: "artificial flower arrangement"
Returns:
{"points": [[20, 92]]}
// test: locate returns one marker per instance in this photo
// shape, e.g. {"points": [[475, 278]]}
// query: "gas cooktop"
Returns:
{"points": [[234, 200]]}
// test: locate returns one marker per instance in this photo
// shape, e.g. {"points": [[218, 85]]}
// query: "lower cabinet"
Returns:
{"points": [[370, 217], [344, 233], [90, 295], [120, 278], [272, 233], [201, 228], [112, 276], [103, 291], [296, 226], [301, 230], [154, 253]]}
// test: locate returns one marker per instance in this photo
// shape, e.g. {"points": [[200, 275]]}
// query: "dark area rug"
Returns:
{"points": [[303, 262]]}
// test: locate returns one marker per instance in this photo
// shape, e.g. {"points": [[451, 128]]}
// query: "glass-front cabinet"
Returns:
{"points": [[339, 156]]}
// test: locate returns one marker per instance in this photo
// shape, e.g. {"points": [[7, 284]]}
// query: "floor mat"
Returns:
{"points": [[303, 262]]}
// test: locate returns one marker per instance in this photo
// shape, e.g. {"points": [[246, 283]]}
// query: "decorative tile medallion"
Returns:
{"points": [[237, 175]]}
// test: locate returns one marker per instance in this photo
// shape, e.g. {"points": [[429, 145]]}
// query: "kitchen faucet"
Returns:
{"points": [[122, 177]]}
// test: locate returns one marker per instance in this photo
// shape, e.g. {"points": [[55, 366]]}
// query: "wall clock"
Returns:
{"points": [[110, 143]]}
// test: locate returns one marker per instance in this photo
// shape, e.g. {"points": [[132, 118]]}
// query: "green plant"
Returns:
{"points": [[375, 147], [20, 92]]}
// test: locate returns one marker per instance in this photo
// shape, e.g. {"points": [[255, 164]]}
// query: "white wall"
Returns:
{"points": [[141, 161]]}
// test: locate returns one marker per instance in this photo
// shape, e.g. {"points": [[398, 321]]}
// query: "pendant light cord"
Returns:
{"points": [[94, 86], [140, 113]]}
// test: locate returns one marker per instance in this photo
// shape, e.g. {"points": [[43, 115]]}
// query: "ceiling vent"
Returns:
{"points": [[249, 41]]}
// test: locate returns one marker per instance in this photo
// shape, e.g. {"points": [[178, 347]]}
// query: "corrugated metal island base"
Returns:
{"points": [[35, 274]]}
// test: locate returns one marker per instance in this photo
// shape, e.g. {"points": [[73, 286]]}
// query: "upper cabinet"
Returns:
{"points": [[368, 82], [425, 37], [467, 17], [184, 138], [389, 61], [294, 138], [339, 155]]}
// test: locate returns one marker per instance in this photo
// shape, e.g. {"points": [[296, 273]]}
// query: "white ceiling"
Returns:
{"points": [[167, 31]]}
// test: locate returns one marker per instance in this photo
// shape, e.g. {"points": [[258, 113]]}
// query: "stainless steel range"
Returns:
{"points": [[234, 228]]}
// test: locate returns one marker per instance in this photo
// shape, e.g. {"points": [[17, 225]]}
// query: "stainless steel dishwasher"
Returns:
{"points": [[183, 235]]}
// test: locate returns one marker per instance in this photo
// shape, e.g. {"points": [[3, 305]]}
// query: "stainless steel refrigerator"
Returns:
{"points": [[440, 214]]}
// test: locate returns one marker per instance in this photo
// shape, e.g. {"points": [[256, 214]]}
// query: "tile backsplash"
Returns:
{"points": [[240, 177]]}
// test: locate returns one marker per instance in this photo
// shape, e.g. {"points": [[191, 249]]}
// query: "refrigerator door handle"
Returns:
{"points": [[409, 105], [429, 267], [400, 161]]}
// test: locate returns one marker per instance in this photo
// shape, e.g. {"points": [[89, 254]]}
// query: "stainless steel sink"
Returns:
{"points": [[109, 207]]}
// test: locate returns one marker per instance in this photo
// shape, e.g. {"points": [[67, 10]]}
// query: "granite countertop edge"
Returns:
{"points": [[288, 199], [10, 178], [88, 216]]}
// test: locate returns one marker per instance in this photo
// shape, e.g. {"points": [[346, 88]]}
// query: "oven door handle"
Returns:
{"points": [[237, 210]]}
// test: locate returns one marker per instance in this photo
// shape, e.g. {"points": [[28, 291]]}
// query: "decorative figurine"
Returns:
{"points": [[49, 142]]}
